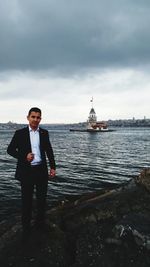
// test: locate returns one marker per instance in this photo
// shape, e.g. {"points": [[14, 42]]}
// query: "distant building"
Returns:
{"points": [[92, 122]]}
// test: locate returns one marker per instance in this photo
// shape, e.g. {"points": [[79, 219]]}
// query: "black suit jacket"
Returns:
{"points": [[20, 146]]}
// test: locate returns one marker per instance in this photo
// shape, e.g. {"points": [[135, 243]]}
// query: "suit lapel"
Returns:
{"points": [[41, 138], [27, 138]]}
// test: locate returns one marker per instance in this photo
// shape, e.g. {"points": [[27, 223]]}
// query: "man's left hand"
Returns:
{"points": [[52, 173]]}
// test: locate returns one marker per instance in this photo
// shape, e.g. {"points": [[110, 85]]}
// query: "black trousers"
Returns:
{"points": [[35, 181]]}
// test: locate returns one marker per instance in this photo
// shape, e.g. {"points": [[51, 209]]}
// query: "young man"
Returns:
{"points": [[30, 146]]}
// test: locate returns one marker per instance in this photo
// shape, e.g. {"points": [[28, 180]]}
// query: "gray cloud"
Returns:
{"points": [[71, 35]]}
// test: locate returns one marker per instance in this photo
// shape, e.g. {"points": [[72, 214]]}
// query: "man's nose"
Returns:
{"points": [[35, 119]]}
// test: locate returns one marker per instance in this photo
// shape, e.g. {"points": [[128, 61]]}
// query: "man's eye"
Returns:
{"points": [[33, 117]]}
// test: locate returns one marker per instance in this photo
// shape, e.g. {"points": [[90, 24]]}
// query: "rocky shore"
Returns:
{"points": [[110, 228]]}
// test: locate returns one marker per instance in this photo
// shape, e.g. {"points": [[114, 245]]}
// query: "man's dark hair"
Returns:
{"points": [[34, 109]]}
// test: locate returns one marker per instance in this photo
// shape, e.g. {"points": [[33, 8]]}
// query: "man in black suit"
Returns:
{"points": [[31, 147]]}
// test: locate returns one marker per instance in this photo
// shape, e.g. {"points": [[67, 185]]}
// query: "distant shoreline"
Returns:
{"points": [[111, 123]]}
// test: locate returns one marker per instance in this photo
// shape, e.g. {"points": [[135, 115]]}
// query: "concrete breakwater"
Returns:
{"points": [[109, 228]]}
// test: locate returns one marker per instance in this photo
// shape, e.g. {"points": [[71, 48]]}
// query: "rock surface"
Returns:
{"points": [[109, 228]]}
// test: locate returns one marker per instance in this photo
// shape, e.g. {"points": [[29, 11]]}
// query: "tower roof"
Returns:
{"points": [[92, 111]]}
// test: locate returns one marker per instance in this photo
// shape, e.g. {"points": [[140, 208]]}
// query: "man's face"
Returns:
{"points": [[34, 119]]}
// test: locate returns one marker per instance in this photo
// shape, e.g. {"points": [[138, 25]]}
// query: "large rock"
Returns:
{"points": [[109, 228], [144, 179]]}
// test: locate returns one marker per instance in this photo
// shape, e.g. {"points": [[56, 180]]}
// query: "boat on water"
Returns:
{"points": [[91, 130], [92, 124]]}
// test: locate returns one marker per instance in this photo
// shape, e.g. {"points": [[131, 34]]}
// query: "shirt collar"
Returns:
{"points": [[31, 130]]}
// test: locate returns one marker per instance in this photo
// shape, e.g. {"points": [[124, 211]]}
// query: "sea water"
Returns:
{"points": [[86, 162]]}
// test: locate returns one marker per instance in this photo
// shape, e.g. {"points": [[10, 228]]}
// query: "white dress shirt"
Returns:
{"points": [[35, 146]]}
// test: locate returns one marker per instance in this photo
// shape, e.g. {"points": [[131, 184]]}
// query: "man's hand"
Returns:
{"points": [[30, 157], [52, 173]]}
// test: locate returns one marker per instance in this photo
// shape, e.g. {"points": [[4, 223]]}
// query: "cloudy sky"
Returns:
{"points": [[58, 54]]}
